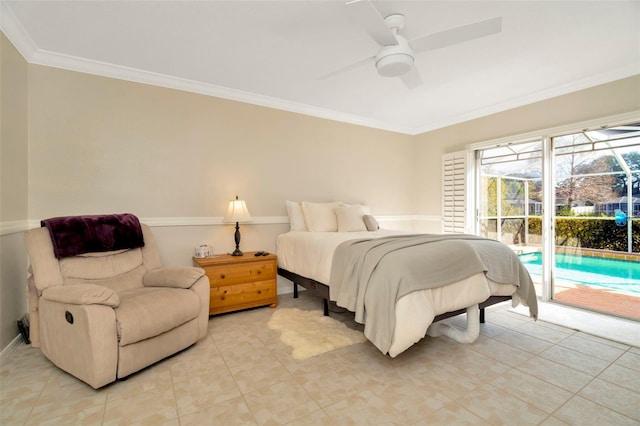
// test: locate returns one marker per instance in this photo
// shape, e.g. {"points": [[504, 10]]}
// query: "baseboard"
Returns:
{"points": [[8, 350]]}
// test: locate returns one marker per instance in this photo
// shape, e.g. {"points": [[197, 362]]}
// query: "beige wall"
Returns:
{"points": [[100, 145], [13, 187], [601, 101]]}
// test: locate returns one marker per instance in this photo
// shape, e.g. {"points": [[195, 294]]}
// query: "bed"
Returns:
{"points": [[307, 259]]}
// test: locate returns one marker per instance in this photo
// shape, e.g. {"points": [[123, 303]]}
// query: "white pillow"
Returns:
{"points": [[371, 223], [365, 209], [320, 217], [350, 218], [296, 217]]}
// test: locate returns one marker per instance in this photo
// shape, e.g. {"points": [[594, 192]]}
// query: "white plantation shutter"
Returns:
{"points": [[454, 183]]}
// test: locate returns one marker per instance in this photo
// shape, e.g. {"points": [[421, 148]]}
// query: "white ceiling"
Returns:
{"points": [[272, 52]]}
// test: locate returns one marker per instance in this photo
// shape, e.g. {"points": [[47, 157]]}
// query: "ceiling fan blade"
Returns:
{"points": [[412, 79], [457, 35], [349, 67], [368, 18]]}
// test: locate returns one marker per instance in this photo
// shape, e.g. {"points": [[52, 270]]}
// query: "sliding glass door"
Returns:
{"points": [[569, 206], [597, 220], [509, 199]]}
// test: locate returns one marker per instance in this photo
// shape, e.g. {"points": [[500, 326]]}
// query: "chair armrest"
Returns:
{"points": [[82, 294], [174, 276]]}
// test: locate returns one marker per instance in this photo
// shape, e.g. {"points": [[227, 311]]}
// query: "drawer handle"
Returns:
{"points": [[222, 276]]}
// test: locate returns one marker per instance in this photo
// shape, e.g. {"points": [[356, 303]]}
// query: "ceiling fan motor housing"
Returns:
{"points": [[395, 60]]}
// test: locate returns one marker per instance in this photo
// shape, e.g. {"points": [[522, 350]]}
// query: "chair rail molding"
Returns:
{"points": [[12, 227]]}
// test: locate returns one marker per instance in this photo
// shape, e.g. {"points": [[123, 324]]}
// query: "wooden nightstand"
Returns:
{"points": [[240, 282]]}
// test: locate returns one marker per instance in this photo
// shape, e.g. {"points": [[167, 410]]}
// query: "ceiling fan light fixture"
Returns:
{"points": [[395, 60], [394, 65]]}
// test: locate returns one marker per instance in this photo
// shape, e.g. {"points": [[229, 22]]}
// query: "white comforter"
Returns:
{"points": [[310, 255]]}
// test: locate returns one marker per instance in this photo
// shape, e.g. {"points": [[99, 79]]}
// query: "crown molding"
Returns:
{"points": [[16, 33], [574, 86]]}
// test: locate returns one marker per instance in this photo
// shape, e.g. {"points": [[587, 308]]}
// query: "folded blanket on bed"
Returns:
{"points": [[368, 276], [73, 235]]}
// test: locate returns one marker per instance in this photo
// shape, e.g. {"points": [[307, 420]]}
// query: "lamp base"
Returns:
{"points": [[236, 237]]}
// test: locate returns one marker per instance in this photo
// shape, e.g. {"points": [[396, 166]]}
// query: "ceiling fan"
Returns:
{"points": [[397, 54]]}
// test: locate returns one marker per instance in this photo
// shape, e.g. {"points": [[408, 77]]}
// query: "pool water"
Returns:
{"points": [[621, 275]]}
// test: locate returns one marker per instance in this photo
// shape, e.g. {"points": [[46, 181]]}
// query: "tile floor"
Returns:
{"points": [[518, 372]]}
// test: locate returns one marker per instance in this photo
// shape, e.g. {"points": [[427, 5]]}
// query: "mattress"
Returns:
{"points": [[310, 255]]}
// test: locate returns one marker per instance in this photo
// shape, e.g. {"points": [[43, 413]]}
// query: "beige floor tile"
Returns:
{"points": [[157, 376], [280, 403], [523, 342], [594, 346], [556, 374], [332, 385], [451, 381], [581, 411], [496, 406], [517, 372], [204, 389], [231, 412], [16, 408], [413, 399], [553, 421], [505, 319], [317, 418], [491, 330], [630, 359], [532, 390], [500, 351], [614, 397], [476, 364], [576, 360], [603, 341], [545, 331], [364, 408], [196, 364], [267, 372], [156, 406], [242, 352], [451, 414], [622, 376], [68, 399]]}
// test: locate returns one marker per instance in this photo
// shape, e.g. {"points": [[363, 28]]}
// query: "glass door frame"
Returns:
{"points": [[548, 203]]}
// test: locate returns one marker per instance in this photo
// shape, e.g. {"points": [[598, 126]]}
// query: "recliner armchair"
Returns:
{"points": [[102, 316]]}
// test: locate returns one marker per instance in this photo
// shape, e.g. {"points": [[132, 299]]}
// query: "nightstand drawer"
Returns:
{"points": [[239, 296], [241, 273], [240, 282]]}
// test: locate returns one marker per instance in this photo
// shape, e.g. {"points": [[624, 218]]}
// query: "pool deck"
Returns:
{"points": [[622, 304], [601, 300]]}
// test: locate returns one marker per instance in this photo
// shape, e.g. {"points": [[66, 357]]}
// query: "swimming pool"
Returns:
{"points": [[621, 275]]}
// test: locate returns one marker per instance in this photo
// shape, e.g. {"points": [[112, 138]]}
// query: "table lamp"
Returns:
{"points": [[237, 212]]}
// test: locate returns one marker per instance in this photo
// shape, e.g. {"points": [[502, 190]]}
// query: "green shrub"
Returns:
{"points": [[590, 233]]}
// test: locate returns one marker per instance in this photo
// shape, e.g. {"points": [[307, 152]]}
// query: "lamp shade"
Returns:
{"points": [[237, 212]]}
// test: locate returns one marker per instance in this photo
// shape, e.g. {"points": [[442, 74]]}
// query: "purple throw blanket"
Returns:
{"points": [[73, 235]]}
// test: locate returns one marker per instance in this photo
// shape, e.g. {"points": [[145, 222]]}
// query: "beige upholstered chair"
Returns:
{"points": [[103, 316]]}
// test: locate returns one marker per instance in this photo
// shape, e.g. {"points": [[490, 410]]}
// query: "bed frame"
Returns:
{"points": [[322, 290]]}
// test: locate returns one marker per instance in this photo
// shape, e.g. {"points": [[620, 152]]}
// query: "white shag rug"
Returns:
{"points": [[310, 333]]}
